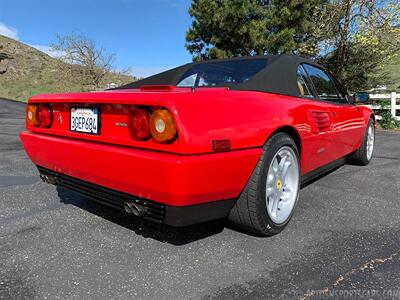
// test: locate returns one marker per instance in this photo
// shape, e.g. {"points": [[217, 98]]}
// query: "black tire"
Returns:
{"points": [[360, 157], [250, 210]]}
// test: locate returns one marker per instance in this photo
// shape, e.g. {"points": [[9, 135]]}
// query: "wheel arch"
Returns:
{"points": [[372, 116], [293, 133]]}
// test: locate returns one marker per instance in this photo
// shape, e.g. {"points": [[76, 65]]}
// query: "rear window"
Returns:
{"points": [[223, 73]]}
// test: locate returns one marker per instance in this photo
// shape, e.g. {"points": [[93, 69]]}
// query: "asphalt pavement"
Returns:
{"points": [[342, 243]]}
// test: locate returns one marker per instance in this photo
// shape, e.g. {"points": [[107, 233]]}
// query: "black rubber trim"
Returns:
{"points": [[187, 215], [315, 174], [155, 211]]}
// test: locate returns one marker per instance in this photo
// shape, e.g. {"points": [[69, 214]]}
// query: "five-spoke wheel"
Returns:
{"points": [[282, 185]]}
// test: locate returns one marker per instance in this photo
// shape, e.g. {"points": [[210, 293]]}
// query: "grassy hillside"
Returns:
{"points": [[25, 71]]}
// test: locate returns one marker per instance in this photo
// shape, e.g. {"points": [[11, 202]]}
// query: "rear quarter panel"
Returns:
{"points": [[248, 119]]}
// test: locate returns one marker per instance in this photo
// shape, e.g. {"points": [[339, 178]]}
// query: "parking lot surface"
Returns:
{"points": [[344, 238]]}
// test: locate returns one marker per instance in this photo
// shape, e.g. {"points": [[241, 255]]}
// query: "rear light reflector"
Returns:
{"points": [[162, 126], [138, 124], [221, 145]]}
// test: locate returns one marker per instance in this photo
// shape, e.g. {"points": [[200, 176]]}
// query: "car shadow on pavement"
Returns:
{"points": [[163, 233]]}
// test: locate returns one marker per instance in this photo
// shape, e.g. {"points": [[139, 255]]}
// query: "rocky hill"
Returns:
{"points": [[25, 71]]}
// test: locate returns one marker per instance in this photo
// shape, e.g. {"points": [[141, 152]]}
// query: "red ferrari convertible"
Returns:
{"points": [[232, 138]]}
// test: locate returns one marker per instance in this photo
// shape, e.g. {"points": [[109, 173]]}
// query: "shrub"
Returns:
{"points": [[387, 121]]}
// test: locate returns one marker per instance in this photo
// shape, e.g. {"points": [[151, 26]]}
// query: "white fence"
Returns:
{"points": [[391, 103]]}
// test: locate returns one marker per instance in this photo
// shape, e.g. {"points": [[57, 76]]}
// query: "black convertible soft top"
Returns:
{"points": [[278, 75]]}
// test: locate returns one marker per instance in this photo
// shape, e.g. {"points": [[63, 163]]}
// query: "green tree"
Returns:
{"points": [[227, 28], [355, 39], [359, 38]]}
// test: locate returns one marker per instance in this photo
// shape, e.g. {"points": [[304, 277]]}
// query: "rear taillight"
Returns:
{"points": [[138, 124], [39, 115], [44, 115], [159, 125], [162, 126], [31, 115]]}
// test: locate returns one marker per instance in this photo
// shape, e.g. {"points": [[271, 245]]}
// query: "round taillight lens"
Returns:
{"points": [[162, 125], [31, 115], [138, 124], [44, 116]]}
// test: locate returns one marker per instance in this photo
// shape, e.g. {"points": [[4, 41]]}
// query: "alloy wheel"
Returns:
{"points": [[282, 186]]}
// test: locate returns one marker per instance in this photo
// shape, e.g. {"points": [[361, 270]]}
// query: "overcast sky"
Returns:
{"points": [[146, 35]]}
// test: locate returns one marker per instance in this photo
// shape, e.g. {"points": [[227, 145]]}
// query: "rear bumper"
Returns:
{"points": [[168, 179], [153, 211]]}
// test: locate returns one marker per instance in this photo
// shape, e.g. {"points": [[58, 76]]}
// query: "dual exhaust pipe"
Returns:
{"points": [[134, 209], [129, 207], [48, 179]]}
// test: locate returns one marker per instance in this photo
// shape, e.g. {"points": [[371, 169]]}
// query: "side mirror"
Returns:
{"points": [[361, 97]]}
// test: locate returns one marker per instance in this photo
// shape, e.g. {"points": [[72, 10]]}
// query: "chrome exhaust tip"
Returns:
{"points": [[48, 179], [44, 178], [134, 209], [127, 207]]}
